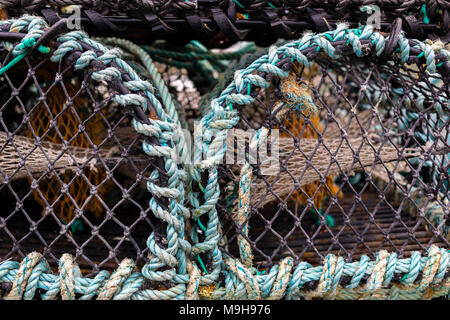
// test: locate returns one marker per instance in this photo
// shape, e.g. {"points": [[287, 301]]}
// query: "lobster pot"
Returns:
{"points": [[73, 176], [222, 22], [337, 151]]}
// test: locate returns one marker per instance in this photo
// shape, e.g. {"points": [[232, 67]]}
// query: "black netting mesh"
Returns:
{"points": [[220, 21], [364, 165]]}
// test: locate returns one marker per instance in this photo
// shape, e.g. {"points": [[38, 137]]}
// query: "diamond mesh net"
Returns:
{"points": [[73, 171], [363, 164]]}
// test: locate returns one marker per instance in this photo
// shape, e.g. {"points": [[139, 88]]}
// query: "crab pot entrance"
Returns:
{"points": [[73, 173], [363, 164]]}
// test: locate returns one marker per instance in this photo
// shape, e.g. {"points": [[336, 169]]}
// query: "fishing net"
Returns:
{"points": [[317, 168], [67, 124]]}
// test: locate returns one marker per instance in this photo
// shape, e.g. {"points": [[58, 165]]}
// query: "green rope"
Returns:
{"points": [[201, 187], [204, 229], [201, 225], [194, 53], [13, 62]]}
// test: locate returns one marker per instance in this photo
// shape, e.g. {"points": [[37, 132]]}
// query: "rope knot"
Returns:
{"points": [[245, 276], [376, 279], [282, 280], [85, 59], [414, 268], [194, 282], [110, 55], [106, 74]]}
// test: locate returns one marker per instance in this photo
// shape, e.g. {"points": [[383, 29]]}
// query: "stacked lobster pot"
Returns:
{"points": [[224, 150]]}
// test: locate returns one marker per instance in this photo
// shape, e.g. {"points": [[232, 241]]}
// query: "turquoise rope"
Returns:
{"points": [[302, 274], [27, 43], [240, 5], [124, 283]]}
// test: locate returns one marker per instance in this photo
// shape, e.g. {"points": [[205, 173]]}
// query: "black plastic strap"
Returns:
{"points": [[445, 24], [231, 9], [276, 24], [50, 15], [154, 22], [196, 24], [146, 16], [151, 19]]}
